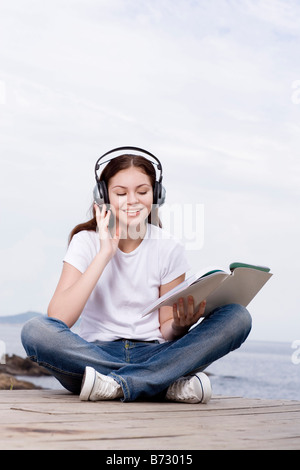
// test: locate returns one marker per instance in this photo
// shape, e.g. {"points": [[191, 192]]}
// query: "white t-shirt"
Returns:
{"points": [[129, 282]]}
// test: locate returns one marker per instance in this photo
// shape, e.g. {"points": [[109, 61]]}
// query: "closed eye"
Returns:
{"points": [[142, 193]]}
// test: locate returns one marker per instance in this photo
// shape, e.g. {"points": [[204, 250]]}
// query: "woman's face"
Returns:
{"points": [[131, 195]]}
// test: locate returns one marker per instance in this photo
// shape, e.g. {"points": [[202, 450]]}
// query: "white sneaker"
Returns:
{"points": [[192, 389], [96, 386]]}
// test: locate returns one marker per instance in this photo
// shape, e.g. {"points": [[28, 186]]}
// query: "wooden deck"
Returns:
{"points": [[47, 419]]}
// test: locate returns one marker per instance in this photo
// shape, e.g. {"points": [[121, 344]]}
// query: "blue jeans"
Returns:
{"points": [[143, 369]]}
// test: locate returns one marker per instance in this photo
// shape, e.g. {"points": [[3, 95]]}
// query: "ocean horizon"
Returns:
{"points": [[259, 369]]}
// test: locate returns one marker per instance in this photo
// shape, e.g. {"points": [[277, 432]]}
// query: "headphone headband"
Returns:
{"points": [[135, 149]]}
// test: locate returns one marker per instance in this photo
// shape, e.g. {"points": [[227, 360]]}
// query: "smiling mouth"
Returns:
{"points": [[132, 212]]}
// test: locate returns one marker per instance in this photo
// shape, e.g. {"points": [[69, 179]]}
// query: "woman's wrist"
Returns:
{"points": [[105, 255]]}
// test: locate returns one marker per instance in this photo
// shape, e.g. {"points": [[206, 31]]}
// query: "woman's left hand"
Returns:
{"points": [[184, 315]]}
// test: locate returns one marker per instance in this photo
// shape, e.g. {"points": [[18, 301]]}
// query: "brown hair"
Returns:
{"points": [[112, 168]]}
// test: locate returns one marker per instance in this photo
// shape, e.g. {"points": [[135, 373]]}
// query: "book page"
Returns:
{"points": [[240, 288], [199, 290]]}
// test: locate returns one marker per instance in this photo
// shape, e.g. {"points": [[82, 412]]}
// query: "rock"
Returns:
{"points": [[8, 382], [16, 365]]}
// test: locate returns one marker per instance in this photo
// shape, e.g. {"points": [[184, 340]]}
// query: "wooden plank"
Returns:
{"points": [[39, 419]]}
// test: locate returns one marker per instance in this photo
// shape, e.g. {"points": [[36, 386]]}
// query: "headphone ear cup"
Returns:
{"points": [[103, 191], [162, 196], [100, 193], [159, 194], [96, 196]]}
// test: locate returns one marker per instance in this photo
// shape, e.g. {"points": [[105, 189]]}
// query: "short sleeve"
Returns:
{"points": [[80, 252], [173, 262]]}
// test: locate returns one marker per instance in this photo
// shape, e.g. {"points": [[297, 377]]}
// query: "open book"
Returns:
{"points": [[218, 287]]}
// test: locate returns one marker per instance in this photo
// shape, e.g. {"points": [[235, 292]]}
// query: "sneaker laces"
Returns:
{"points": [[107, 387], [182, 388]]}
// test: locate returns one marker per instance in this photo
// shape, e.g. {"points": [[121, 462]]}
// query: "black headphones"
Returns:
{"points": [[100, 192]]}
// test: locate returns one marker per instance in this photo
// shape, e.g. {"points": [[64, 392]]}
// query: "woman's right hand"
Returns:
{"points": [[108, 243]]}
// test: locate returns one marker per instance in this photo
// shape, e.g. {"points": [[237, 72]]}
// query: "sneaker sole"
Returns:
{"points": [[87, 383]]}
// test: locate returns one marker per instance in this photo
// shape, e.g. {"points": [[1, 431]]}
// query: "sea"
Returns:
{"points": [[259, 369]]}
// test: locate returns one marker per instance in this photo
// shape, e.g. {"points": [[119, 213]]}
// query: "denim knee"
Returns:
{"points": [[242, 320], [36, 333]]}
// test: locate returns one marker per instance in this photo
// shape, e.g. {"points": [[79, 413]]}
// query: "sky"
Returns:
{"points": [[212, 88]]}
